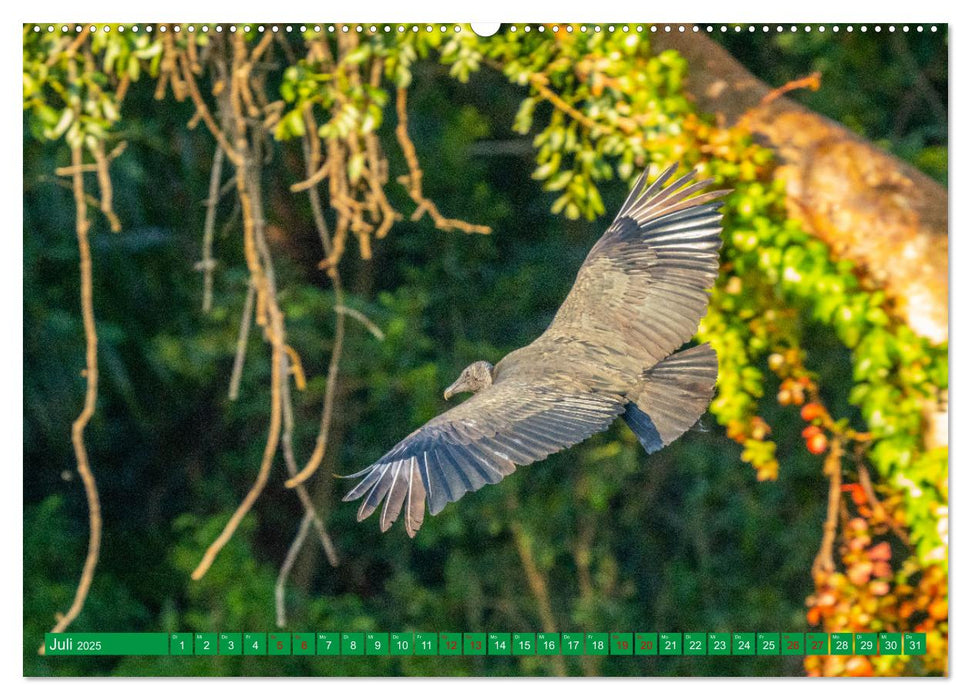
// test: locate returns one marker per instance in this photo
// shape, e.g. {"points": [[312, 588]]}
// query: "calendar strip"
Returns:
{"points": [[485, 644]]}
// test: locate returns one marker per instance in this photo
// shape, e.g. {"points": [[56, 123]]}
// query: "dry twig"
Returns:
{"points": [[208, 264], [205, 114], [271, 319], [832, 467], [241, 343], [333, 369], [412, 181], [279, 589], [371, 326], [863, 474], [811, 81], [82, 225], [104, 184]]}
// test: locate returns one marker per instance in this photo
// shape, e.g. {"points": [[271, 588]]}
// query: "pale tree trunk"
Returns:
{"points": [[881, 213]]}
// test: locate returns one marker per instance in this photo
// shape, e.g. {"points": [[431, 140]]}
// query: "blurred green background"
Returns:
{"points": [[683, 540]]}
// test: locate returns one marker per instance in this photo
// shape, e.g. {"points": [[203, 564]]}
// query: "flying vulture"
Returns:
{"points": [[612, 350]]}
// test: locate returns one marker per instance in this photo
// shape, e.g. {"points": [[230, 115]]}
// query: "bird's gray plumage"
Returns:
{"points": [[609, 352]]}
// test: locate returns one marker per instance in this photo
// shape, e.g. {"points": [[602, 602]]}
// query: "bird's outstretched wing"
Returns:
{"points": [[511, 423], [644, 286]]}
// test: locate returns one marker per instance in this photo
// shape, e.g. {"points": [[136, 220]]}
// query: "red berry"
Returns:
{"points": [[811, 430], [811, 411], [817, 444]]}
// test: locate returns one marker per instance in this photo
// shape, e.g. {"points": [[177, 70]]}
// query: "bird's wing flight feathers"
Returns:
{"points": [[478, 442], [644, 286]]}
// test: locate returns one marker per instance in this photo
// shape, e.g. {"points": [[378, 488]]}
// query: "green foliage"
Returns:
{"points": [[68, 98], [895, 372]]}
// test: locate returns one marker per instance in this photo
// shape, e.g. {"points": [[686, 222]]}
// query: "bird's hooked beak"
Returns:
{"points": [[457, 387]]}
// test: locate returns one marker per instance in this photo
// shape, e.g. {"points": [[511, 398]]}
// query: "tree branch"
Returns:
{"points": [[870, 207]]}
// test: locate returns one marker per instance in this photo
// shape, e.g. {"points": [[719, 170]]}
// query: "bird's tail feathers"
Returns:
{"points": [[673, 396]]}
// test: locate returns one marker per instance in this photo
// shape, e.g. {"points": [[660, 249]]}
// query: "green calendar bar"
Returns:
{"points": [[621, 644], [450, 644], [793, 644], [695, 644], [475, 644], [890, 643], [767, 643], [254, 644], [180, 644], [548, 644], [377, 643], [280, 644], [719, 644], [645, 644], [426, 644], [485, 644], [402, 644], [743, 644], [352, 644], [915, 643], [572, 644], [865, 643], [206, 643], [304, 644], [500, 644], [669, 643], [597, 644], [328, 644], [106, 644], [817, 644], [523, 643], [230, 644]]}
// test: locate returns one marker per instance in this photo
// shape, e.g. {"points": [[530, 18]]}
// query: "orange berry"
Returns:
{"points": [[882, 570], [817, 444], [759, 428], [938, 609], [879, 588], [812, 411], [880, 551], [859, 574]]}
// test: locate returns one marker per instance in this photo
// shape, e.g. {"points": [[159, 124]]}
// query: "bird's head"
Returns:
{"points": [[476, 376]]}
